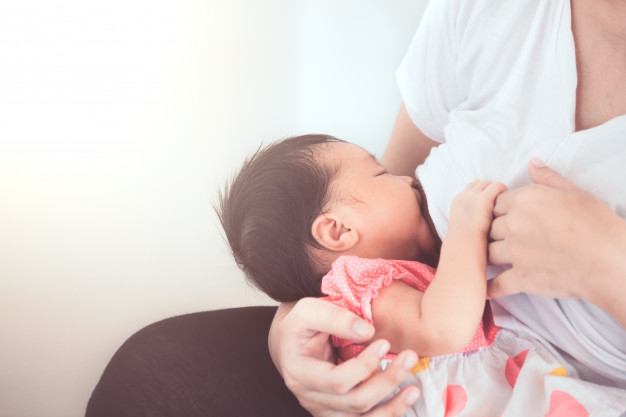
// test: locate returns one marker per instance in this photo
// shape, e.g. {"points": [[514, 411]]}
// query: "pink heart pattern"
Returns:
{"points": [[564, 405], [454, 400], [513, 366]]}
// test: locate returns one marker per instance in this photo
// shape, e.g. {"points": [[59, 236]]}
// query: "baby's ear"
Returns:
{"points": [[332, 233]]}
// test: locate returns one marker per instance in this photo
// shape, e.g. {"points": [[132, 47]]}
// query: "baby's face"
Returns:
{"points": [[385, 209]]}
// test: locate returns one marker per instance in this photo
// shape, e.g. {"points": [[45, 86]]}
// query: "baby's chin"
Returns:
{"points": [[430, 259]]}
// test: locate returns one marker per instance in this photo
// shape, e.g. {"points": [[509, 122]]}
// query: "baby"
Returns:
{"points": [[313, 215], [303, 203]]}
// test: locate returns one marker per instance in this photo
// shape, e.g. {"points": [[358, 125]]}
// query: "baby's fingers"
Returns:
{"points": [[493, 190], [488, 186], [477, 185]]}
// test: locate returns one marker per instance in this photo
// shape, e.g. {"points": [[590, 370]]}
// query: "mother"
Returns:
{"points": [[487, 85]]}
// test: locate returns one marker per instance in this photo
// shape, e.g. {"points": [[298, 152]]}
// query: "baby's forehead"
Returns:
{"points": [[349, 163], [343, 152]]}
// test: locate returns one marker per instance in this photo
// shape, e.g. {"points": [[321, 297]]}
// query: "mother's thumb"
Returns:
{"points": [[542, 174]]}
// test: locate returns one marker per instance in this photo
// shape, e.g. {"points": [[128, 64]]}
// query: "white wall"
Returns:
{"points": [[118, 121]]}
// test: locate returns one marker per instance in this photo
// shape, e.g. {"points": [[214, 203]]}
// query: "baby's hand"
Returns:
{"points": [[473, 207]]}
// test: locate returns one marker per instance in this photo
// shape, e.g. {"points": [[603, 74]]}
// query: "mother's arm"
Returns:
{"points": [[299, 339], [408, 147], [561, 242]]}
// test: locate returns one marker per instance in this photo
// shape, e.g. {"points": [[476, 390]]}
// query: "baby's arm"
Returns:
{"points": [[444, 318]]}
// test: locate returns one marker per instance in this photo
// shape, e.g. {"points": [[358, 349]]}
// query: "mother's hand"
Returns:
{"points": [[299, 343], [561, 242]]}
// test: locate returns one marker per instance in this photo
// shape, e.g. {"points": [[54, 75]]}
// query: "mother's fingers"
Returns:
{"points": [[368, 393], [328, 378], [540, 173], [506, 283], [498, 229], [504, 202], [398, 405], [317, 315], [381, 384], [498, 253]]}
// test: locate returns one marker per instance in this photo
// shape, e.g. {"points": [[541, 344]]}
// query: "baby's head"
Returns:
{"points": [[298, 204]]}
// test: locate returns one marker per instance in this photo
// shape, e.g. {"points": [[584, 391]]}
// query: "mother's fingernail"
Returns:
{"points": [[383, 349], [538, 163], [409, 362], [412, 397], [361, 327]]}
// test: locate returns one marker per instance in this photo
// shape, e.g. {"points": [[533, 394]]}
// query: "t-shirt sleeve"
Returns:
{"points": [[427, 74], [353, 282]]}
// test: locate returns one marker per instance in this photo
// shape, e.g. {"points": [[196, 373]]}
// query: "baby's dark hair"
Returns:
{"points": [[267, 212]]}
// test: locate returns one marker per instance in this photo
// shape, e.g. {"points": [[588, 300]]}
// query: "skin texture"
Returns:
{"points": [[599, 29]]}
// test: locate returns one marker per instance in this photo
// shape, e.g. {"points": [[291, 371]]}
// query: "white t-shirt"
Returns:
{"points": [[495, 82]]}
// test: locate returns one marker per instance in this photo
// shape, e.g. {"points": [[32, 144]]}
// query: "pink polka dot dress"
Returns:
{"points": [[500, 373]]}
